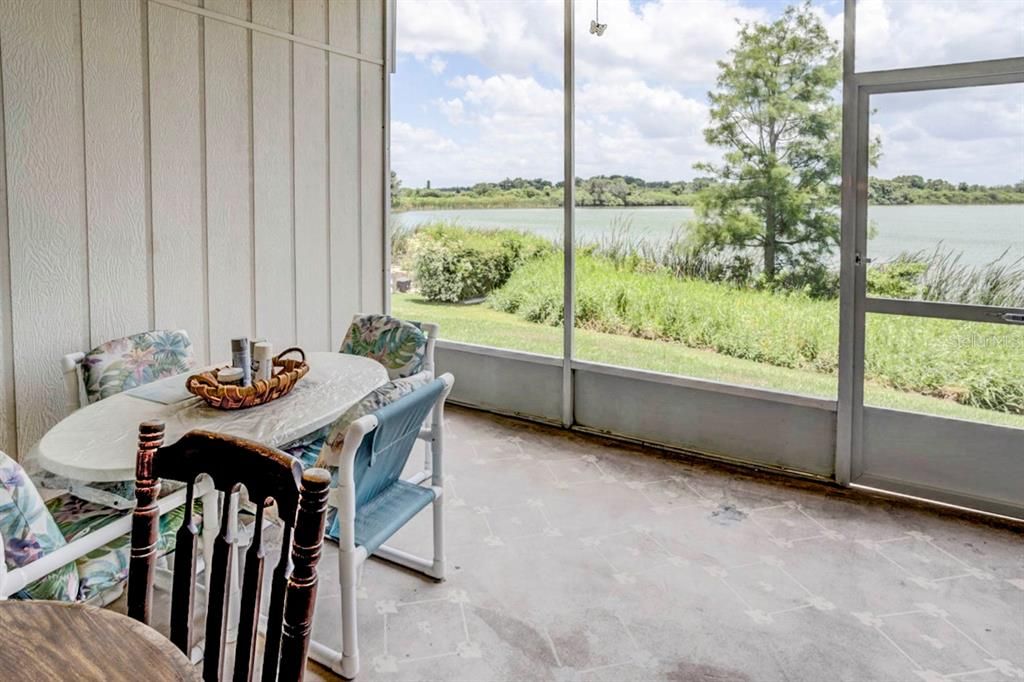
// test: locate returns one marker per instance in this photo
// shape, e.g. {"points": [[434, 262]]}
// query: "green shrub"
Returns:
{"points": [[942, 275], [453, 264], [973, 364], [900, 278]]}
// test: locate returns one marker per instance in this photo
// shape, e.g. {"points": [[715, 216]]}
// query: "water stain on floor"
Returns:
{"points": [[728, 514], [684, 671]]}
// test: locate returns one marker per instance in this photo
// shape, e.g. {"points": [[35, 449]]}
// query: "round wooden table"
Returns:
{"points": [[99, 442], [45, 640]]}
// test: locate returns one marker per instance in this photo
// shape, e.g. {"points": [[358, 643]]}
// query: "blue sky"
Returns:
{"points": [[477, 93]]}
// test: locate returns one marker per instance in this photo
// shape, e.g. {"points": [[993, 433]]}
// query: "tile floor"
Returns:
{"points": [[574, 558]]}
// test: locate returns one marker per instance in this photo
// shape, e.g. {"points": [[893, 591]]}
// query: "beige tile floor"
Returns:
{"points": [[574, 558]]}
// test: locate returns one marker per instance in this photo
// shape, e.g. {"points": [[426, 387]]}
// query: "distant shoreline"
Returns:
{"points": [[472, 206]]}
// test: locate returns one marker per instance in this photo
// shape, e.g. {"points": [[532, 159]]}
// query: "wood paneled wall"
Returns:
{"points": [[215, 166]]}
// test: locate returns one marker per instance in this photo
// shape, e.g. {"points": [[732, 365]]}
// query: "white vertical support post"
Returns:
{"points": [[568, 206], [211, 526], [390, 19], [235, 583], [437, 481], [851, 306]]}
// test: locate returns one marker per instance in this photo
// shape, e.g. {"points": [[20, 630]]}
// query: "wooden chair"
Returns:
{"points": [[268, 475]]}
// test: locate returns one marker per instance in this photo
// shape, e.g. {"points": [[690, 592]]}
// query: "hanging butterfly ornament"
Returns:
{"points": [[596, 27]]}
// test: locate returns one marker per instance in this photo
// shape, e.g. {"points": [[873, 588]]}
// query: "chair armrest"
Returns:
{"points": [[70, 366], [19, 578]]}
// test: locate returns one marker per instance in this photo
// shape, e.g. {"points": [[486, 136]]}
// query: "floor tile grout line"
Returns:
{"points": [[951, 556], [551, 643], [967, 637], [899, 648]]}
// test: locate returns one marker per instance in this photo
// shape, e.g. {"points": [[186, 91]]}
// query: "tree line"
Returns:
{"points": [[627, 190]]}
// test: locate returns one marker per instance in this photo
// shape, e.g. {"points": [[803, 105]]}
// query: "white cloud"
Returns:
{"points": [[640, 100], [425, 138], [453, 110], [437, 65], [507, 36], [513, 126], [439, 26], [512, 96], [507, 126], [675, 42], [901, 33], [972, 135], [669, 42]]}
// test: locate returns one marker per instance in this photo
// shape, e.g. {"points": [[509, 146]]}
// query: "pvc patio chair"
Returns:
{"points": [[108, 369], [122, 364], [404, 347], [113, 367], [374, 502], [66, 549]]}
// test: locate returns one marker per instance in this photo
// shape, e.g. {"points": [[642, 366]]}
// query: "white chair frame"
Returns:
{"points": [[14, 580], [74, 394], [351, 558], [74, 382]]}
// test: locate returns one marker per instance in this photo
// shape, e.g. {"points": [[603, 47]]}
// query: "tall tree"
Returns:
{"points": [[773, 112]]}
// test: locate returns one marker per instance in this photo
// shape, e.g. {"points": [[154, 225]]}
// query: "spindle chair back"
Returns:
{"points": [[269, 476]]}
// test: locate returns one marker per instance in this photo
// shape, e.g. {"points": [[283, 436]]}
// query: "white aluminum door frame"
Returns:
{"points": [[854, 302]]}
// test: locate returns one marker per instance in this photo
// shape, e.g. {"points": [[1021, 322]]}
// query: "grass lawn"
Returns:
{"points": [[483, 325]]}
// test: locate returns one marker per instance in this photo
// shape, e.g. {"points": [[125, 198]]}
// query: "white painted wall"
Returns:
{"points": [[216, 166]]}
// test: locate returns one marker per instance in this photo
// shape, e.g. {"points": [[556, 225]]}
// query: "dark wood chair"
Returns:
{"points": [[268, 475]]}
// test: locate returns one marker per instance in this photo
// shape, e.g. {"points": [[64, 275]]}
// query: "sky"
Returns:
{"points": [[477, 93]]}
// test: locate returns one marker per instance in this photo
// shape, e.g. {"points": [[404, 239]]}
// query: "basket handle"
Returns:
{"points": [[293, 349], [203, 379]]}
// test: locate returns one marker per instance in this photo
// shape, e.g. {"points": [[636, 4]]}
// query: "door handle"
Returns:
{"points": [[1013, 318]]}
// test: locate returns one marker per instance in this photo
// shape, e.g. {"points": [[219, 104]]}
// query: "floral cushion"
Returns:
{"points": [[398, 345], [307, 450], [122, 364], [29, 533], [107, 566]]}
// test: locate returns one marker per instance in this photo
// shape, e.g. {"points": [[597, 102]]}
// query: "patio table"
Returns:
{"points": [[99, 441]]}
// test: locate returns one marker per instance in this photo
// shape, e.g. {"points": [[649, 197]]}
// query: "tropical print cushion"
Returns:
{"points": [[307, 449], [107, 566], [126, 363], [398, 345], [29, 533]]}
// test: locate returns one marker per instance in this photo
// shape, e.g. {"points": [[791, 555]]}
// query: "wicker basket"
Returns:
{"points": [[286, 374]]}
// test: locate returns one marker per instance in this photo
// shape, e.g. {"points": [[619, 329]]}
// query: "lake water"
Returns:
{"points": [[981, 233]]}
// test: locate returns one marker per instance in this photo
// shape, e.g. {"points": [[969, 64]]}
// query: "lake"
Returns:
{"points": [[981, 233]]}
